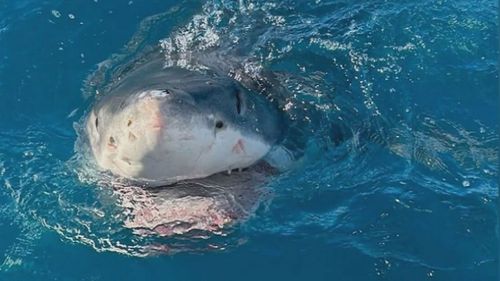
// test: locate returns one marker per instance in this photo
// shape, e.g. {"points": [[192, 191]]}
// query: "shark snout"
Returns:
{"points": [[149, 111]]}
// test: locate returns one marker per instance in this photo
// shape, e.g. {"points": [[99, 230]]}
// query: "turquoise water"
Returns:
{"points": [[394, 107]]}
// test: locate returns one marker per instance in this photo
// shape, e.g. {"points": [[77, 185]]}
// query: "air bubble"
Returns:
{"points": [[56, 13]]}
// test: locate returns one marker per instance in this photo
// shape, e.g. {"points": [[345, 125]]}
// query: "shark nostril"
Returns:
{"points": [[238, 103], [129, 123]]}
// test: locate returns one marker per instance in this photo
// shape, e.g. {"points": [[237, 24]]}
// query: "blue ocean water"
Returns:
{"points": [[395, 103]]}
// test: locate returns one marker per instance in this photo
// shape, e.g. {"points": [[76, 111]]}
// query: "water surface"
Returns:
{"points": [[394, 107]]}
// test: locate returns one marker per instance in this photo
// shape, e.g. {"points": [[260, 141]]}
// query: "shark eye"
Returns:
{"points": [[96, 122], [219, 124]]}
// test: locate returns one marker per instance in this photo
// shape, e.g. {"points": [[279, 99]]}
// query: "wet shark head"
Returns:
{"points": [[162, 127]]}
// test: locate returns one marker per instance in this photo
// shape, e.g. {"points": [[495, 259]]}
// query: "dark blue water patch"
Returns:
{"points": [[49, 77], [292, 259]]}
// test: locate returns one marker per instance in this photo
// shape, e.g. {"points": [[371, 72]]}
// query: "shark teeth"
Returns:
{"points": [[229, 171]]}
